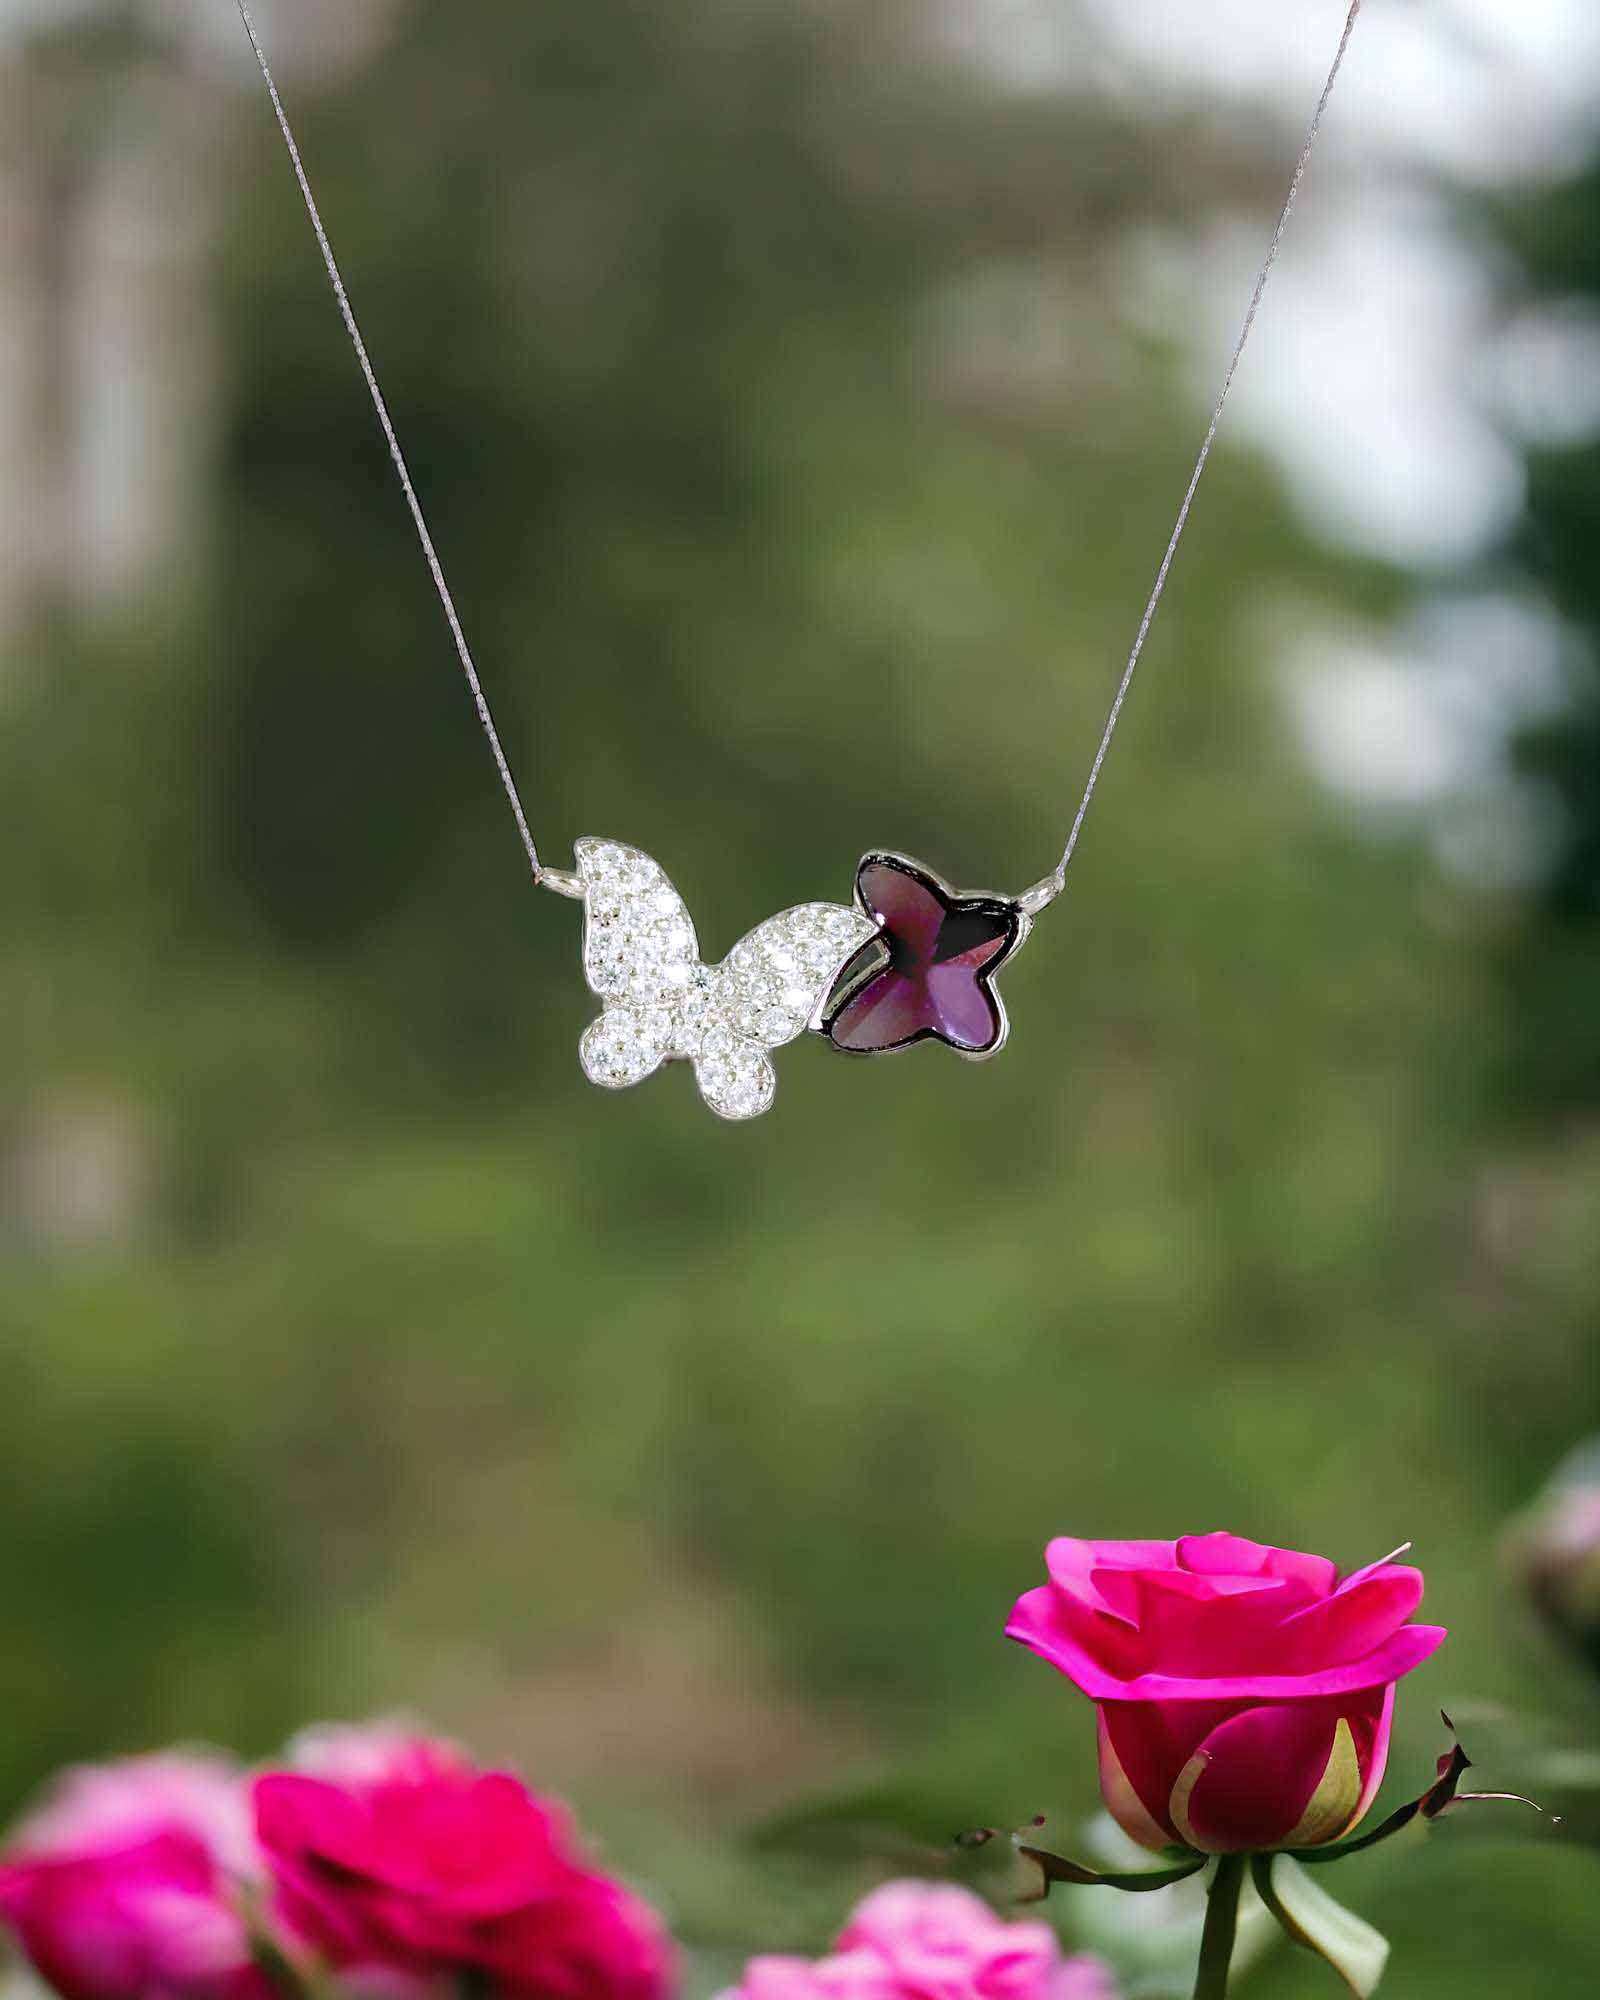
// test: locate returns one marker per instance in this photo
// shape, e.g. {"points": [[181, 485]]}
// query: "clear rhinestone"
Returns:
{"points": [[641, 955], [735, 1077], [700, 1011], [624, 1045]]}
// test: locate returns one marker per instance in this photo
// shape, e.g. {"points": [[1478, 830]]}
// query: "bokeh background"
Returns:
{"points": [[801, 393]]}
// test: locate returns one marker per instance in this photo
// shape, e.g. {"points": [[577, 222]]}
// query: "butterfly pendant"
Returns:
{"points": [[641, 956], [930, 973]]}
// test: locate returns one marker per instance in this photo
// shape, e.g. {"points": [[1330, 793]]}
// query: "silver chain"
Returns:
{"points": [[1050, 886], [435, 568]]}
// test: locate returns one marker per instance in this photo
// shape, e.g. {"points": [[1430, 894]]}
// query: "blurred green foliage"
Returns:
{"points": [[762, 371], [1553, 955]]}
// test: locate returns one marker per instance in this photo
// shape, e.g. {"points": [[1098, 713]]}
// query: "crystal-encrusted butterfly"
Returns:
{"points": [[641, 956]]}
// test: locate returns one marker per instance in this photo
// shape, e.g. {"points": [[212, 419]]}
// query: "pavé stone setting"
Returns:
{"points": [[912, 960], [641, 955]]}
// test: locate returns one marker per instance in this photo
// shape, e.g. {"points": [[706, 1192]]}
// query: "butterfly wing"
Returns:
{"points": [[779, 975], [638, 941], [640, 955], [766, 991], [623, 1044], [735, 1076]]}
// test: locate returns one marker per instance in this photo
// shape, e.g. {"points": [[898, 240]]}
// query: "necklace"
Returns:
{"points": [[909, 960]]}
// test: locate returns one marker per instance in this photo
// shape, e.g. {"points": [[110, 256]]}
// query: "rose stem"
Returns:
{"points": [[1222, 1920]]}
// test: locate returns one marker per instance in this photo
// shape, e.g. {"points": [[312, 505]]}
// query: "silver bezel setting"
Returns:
{"points": [[1017, 908]]}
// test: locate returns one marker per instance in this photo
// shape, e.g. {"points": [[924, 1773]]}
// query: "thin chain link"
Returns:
{"points": [[435, 568], [1042, 892], [1045, 891]]}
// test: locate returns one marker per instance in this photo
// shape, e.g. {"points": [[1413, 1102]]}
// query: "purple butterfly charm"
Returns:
{"points": [[929, 973]]}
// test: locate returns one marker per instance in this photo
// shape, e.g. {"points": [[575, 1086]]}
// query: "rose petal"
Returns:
{"points": [[426, 1866], [1039, 1626], [295, 1814], [1089, 1647], [1221, 1554], [1080, 1567], [1251, 1779], [1153, 1741], [1359, 1617], [1122, 1799], [1375, 1759], [1211, 1626], [1331, 1809]]}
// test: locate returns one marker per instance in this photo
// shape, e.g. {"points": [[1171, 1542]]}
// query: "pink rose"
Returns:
{"points": [[123, 1884], [930, 1941], [392, 1750], [843, 1975], [1245, 1693], [393, 1854]]}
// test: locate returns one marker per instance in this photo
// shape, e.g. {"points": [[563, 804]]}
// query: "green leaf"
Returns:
{"points": [[1314, 1920], [1137, 1881]]}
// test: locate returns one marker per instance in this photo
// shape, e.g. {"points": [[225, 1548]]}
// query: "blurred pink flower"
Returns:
{"points": [[391, 1750], [843, 1975], [1554, 1552], [1245, 1693], [930, 1941], [392, 1853], [124, 1883]]}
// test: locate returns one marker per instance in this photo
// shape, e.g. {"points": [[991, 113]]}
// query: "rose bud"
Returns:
{"points": [[394, 1855], [1244, 1692], [930, 1941], [1554, 1552], [125, 1883]]}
